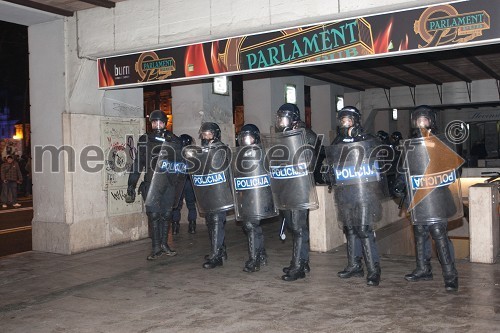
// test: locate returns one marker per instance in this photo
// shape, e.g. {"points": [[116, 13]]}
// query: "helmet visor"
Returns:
{"points": [[246, 139], [157, 124], [423, 122], [283, 122], [207, 135], [346, 122]]}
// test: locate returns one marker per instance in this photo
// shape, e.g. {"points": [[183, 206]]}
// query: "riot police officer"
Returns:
{"points": [[431, 214], [159, 215], [186, 195], [287, 119], [383, 137], [210, 136], [392, 173], [358, 202], [253, 202]]}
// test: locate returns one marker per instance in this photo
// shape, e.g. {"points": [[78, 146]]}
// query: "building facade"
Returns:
{"points": [[78, 201]]}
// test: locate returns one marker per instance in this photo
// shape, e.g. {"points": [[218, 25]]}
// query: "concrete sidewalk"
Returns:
{"points": [[116, 290]]}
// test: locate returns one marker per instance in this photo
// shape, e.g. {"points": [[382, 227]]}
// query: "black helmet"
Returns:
{"points": [[186, 139], [212, 128], [383, 136], [396, 137], [158, 115], [351, 112], [423, 111], [286, 116], [249, 131]]}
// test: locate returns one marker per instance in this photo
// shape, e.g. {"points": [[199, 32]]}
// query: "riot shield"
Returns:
{"points": [[210, 176], [288, 160], [359, 186], [433, 187], [170, 171], [251, 184]]}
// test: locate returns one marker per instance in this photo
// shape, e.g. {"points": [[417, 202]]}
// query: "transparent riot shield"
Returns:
{"points": [[288, 159], [210, 176], [170, 171], [433, 186], [251, 184], [359, 186]]}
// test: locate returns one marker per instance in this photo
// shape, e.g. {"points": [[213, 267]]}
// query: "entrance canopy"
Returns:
{"points": [[401, 48]]}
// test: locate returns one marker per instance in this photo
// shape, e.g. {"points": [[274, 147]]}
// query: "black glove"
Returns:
{"points": [[130, 197]]}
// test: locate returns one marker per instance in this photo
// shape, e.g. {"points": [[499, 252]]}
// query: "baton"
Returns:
{"points": [[402, 201], [282, 230]]}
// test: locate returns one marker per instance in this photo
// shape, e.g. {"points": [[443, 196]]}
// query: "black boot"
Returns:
{"points": [[262, 257], [296, 271], [444, 251], [175, 228], [450, 278], [424, 269], [372, 268], [307, 268], [192, 227], [156, 251], [252, 264], [354, 266], [259, 244], [164, 237], [209, 229], [222, 250], [215, 258]]}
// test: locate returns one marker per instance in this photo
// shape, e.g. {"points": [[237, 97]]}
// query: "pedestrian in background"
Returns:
{"points": [[10, 176]]}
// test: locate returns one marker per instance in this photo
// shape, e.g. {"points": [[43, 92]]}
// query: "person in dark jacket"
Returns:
{"points": [[10, 177], [297, 220], [358, 204], [430, 215], [148, 150]]}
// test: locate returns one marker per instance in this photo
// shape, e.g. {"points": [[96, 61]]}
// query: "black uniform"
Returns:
{"points": [[159, 214], [252, 193], [217, 197], [288, 118], [430, 215], [187, 195], [392, 173], [358, 204]]}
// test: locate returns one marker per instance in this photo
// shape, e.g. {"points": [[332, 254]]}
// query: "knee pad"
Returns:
{"points": [[215, 218], [166, 216], [420, 230], [438, 230], [154, 216], [219, 217], [250, 225], [364, 231], [348, 230]]}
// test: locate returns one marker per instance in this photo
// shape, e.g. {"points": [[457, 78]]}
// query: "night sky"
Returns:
{"points": [[14, 72]]}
